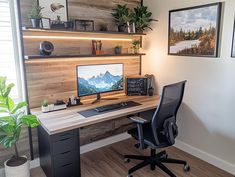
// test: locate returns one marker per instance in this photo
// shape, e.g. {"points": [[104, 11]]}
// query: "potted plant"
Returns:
{"points": [[142, 18], [35, 15], [136, 46], [118, 49], [12, 118], [122, 16], [45, 106]]}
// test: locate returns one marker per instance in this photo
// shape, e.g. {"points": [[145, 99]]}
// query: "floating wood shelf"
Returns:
{"points": [[38, 57]]}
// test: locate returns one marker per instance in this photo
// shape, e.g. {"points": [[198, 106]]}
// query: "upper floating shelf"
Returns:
{"points": [[79, 35]]}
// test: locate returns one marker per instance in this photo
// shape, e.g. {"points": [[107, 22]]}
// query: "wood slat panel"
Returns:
{"points": [[56, 79]]}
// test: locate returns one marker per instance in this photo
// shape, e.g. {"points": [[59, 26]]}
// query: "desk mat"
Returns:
{"points": [[91, 112]]}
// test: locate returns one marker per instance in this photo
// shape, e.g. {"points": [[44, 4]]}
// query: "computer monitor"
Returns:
{"points": [[97, 79]]}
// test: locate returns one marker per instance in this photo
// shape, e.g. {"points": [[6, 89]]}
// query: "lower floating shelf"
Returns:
{"points": [[38, 57]]}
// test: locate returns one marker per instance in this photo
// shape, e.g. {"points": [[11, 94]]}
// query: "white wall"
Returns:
{"points": [[207, 117]]}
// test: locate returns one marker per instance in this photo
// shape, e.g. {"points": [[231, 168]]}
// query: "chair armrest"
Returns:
{"points": [[138, 119]]}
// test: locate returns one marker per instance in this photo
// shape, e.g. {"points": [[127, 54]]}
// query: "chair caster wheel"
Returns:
{"points": [[129, 175], [186, 168], [127, 160]]}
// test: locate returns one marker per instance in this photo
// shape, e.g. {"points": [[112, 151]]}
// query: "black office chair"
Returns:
{"points": [[160, 132]]}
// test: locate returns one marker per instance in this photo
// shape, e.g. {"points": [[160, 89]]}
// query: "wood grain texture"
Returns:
{"points": [[108, 162], [56, 79], [64, 120], [98, 10]]}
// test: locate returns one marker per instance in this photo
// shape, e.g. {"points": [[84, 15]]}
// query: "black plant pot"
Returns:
{"points": [[35, 22], [118, 50], [121, 28]]}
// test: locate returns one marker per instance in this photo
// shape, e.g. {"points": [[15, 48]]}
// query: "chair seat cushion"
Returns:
{"points": [[149, 137]]}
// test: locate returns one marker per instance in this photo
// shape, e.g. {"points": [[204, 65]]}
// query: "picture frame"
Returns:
{"points": [[233, 42], [195, 31], [84, 25], [54, 9], [46, 23]]}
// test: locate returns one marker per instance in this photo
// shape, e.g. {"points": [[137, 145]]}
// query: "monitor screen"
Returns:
{"points": [[93, 79]]}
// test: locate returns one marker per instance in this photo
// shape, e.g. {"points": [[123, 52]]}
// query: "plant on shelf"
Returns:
{"points": [[12, 118], [36, 15], [118, 49], [122, 16], [136, 46], [45, 106], [142, 18]]}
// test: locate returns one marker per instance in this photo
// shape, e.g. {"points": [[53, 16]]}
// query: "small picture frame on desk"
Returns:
{"points": [[46, 23], [84, 25]]}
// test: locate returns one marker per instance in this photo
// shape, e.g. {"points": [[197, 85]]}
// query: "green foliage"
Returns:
{"points": [[136, 43], [45, 103], [142, 18], [122, 15], [35, 13], [12, 117]]}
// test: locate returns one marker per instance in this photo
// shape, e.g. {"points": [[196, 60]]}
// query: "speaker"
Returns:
{"points": [[46, 48]]}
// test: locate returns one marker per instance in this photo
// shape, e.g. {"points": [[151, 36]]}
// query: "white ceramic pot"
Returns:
{"points": [[45, 109], [18, 171]]}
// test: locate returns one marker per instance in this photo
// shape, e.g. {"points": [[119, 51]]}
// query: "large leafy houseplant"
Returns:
{"points": [[12, 117], [122, 15], [142, 18]]}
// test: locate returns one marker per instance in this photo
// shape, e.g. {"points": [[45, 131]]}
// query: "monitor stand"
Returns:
{"points": [[98, 98]]}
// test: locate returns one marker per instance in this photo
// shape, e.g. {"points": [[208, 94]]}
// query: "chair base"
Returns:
{"points": [[155, 160]]}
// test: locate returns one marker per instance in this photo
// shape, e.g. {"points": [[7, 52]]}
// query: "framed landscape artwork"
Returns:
{"points": [[195, 31], [233, 45], [54, 9]]}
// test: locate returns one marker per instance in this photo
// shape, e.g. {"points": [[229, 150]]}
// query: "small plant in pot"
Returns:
{"points": [[118, 49], [122, 16], [136, 46], [142, 18], [45, 106], [12, 118], [35, 15]]}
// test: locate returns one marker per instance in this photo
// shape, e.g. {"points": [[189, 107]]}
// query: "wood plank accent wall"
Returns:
{"points": [[97, 10], [56, 78]]}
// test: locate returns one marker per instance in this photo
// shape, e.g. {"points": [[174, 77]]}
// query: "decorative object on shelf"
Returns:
{"points": [[122, 15], [136, 85], [103, 27], [45, 106], [71, 23], [46, 48], [118, 50], [136, 46], [54, 9], [74, 101], [35, 15], [11, 122], [195, 31], [58, 24], [131, 27], [84, 25], [142, 18], [233, 45], [46, 23], [97, 47], [150, 84]]}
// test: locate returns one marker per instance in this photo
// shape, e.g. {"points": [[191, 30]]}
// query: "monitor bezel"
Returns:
{"points": [[104, 91]]}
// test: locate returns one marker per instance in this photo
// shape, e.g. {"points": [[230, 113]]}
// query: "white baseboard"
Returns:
{"points": [[211, 159], [86, 148]]}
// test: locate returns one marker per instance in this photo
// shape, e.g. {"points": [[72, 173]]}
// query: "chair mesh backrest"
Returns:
{"points": [[171, 99]]}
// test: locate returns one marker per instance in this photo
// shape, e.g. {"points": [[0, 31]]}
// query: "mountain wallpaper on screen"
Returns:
{"points": [[100, 83]]}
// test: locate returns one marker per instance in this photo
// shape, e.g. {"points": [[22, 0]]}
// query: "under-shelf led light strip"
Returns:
{"points": [[75, 38]]}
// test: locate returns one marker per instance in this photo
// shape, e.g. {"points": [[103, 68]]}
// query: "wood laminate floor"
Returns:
{"points": [[108, 162]]}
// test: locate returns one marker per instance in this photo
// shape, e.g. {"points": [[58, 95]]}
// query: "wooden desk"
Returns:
{"points": [[59, 146]]}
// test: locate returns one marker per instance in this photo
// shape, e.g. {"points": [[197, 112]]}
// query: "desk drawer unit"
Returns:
{"points": [[60, 153]]}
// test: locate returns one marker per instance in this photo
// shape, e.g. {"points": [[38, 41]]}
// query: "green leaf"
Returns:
{"points": [[30, 121], [18, 107], [10, 103], [8, 90]]}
